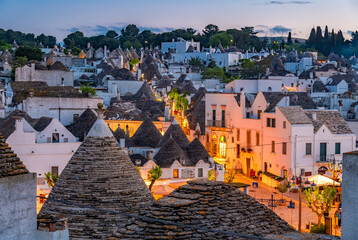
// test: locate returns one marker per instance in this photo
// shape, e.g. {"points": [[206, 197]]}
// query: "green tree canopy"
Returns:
{"points": [[223, 38], [31, 53]]}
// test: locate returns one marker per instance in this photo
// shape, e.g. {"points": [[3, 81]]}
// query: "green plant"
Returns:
{"points": [[196, 62], [230, 175], [320, 202], [132, 63], [318, 229], [154, 174], [18, 62], [211, 175], [282, 187], [50, 179], [86, 89]]}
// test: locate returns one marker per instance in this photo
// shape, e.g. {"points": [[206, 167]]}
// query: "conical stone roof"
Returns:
{"points": [[206, 205], [170, 152], [196, 152], [10, 164], [177, 133], [99, 175], [147, 135]]}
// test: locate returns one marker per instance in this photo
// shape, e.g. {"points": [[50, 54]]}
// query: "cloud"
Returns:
{"points": [[280, 29], [298, 2]]}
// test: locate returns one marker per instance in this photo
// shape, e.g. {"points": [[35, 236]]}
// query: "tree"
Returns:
{"points": [[289, 39], [210, 30], [86, 89], [230, 175], [339, 39], [50, 179], [336, 170], [249, 30], [318, 40], [212, 64], [282, 187], [215, 72], [31, 53], [223, 38], [154, 174], [130, 30], [111, 34], [320, 202], [18, 62], [312, 38], [196, 62]]}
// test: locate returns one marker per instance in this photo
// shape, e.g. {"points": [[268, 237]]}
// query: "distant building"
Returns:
{"points": [[56, 75], [181, 46]]}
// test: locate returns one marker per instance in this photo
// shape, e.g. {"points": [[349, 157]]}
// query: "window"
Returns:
{"points": [[223, 115], [232, 139], [75, 117], [214, 114], [308, 148], [338, 148], [259, 114], [248, 138], [257, 139], [238, 150], [222, 147], [55, 137], [273, 146], [238, 135], [175, 173], [284, 124], [284, 148], [271, 122], [54, 171], [200, 172]]}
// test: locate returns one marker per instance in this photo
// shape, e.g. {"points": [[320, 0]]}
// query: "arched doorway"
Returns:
{"points": [[222, 147], [214, 145], [322, 170], [284, 172]]}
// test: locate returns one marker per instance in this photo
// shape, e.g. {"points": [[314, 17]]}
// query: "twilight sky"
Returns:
{"points": [[270, 18]]}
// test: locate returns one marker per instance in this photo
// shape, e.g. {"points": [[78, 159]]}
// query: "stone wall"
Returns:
{"points": [[51, 77], [18, 207], [350, 196]]}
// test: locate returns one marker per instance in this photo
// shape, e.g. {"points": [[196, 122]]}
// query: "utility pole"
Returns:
{"points": [[300, 205]]}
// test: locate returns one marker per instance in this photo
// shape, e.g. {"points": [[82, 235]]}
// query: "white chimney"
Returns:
{"points": [[88, 45], [267, 71], [311, 75], [19, 125], [314, 116], [105, 52], [122, 142], [243, 103], [166, 112], [150, 155]]}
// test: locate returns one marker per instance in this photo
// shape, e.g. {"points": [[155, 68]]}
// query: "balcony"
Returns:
{"points": [[327, 159], [217, 123]]}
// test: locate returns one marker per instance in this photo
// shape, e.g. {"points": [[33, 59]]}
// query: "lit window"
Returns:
{"points": [[222, 147]]}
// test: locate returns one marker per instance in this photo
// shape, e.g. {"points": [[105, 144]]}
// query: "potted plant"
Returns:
{"points": [[294, 189]]}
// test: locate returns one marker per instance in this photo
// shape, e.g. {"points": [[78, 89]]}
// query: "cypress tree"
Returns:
{"points": [[289, 39], [312, 37], [318, 41], [333, 39], [326, 46], [340, 38]]}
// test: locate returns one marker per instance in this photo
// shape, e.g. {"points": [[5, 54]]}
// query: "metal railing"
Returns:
{"points": [[326, 158], [216, 123]]}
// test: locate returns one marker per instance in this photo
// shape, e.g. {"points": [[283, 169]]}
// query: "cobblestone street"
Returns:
{"points": [[290, 215]]}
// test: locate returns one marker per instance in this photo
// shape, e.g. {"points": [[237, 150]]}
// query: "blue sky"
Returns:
{"points": [[271, 17]]}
